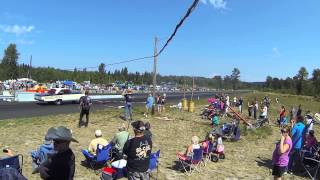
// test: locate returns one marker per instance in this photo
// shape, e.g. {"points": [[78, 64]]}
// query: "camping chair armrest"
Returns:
{"points": [[312, 159], [87, 154]]}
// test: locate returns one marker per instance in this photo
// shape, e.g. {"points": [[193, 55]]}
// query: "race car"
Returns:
{"points": [[59, 96]]}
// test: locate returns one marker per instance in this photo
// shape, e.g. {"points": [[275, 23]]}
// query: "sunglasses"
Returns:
{"points": [[283, 131], [58, 141]]}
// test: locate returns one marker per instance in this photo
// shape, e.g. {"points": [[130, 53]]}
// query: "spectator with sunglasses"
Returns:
{"points": [[60, 166], [280, 156], [138, 150]]}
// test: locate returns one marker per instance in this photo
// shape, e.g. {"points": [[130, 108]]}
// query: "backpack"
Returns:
{"points": [[85, 100]]}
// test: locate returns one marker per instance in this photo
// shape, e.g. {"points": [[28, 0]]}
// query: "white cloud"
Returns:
{"points": [[16, 29], [25, 42], [275, 52], [204, 1], [217, 4]]}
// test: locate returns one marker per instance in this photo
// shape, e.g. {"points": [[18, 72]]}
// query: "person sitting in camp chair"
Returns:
{"points": [[188, 153], [311, 140], [209, 146], [41, 155], [118, 141], [98, 140], [215, 120]]}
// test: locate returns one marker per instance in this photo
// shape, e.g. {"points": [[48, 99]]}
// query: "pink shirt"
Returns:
{"points": [[281, 160]]}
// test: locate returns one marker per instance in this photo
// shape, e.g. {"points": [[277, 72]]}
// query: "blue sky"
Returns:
{"points": [[261, 38]]}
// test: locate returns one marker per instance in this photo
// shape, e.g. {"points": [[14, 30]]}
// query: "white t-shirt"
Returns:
{"points": [[309, 121], [265, 111]]}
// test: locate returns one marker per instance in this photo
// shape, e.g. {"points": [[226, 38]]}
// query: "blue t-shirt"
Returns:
{"points": [[149, 102], [297, 135]]}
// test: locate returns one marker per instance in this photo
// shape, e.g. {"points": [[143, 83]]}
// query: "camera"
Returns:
{"points": [[5, 150]]}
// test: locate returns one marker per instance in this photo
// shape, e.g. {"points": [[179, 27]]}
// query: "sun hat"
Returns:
{"points": [[60, 133], [98, 133]]}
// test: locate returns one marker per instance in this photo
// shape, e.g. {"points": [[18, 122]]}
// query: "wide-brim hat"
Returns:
{"points": [[60, 133]]}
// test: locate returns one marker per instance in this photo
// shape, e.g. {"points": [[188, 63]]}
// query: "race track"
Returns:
{"points": [[32, 109]]}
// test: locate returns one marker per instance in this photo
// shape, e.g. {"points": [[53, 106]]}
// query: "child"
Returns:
{"points": [[215, 120]]}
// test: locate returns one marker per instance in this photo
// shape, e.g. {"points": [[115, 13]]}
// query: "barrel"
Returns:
{"points": [[185, 104], [191, 106]]}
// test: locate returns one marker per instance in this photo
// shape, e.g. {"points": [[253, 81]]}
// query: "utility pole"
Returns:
{"points": [[155, 68], [30, 66], [192, 88]]}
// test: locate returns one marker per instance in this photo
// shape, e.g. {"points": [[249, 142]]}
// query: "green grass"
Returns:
{"points": [[170, 136]]}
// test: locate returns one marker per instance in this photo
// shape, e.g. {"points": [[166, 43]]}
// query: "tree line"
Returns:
{"points": [[11, 69], [301, 84]]}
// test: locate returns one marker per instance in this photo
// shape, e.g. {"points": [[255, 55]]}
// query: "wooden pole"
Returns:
{"points": [[192, 88], [239, 116], [155, 68]]}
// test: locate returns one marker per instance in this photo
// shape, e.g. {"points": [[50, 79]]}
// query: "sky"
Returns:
{"points": [[260, 38]]}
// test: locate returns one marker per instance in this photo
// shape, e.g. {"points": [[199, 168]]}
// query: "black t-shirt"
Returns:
{"points": [[240, 102], [62, 166], [128, 98], [85, 102], [138, 150]]}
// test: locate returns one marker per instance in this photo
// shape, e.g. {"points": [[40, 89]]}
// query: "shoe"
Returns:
{"points": [[290, 172]]}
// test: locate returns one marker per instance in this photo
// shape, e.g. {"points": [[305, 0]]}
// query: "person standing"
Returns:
{"points": [[163, 102], [138, 150], [128, 103], [234, 101], [297, 140], [299, 111], [149, 104], [240, 104], [159, 102], [227, 104], [280, 155], [62, 164], [255, 109], [250, 108], [85, 105]]}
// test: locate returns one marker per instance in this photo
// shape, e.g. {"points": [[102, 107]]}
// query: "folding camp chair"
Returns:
{"points": [[154, 163], [311, 161], [103, 155], [15, 162], [194, 163]]}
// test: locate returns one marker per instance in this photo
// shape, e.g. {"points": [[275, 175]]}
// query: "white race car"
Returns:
{"points": [[58, 96]]}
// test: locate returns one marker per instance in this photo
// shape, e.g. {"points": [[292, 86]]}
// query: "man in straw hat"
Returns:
{"points": [[62, 165]]}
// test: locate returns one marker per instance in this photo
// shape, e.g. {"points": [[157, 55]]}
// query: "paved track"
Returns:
{"points": [[31, 109]]}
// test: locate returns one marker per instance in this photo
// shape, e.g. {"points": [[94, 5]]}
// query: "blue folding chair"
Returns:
{"points": [[103, 155], [194, 163], [154, 162], [15, 162]]}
